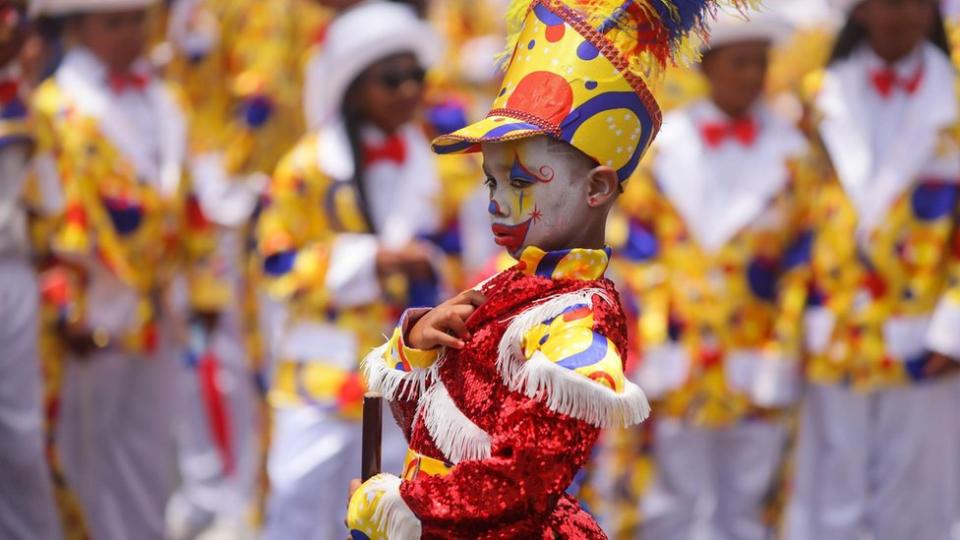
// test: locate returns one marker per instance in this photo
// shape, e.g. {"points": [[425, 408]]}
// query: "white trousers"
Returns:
{"points": [[710, 484], [884, 464], [208, 492], [116, 441], [27, 510], [313, 458]]}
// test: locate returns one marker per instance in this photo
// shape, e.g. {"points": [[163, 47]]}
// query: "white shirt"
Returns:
{"points": [[887, 113], [134, 104], [727, 162], [13, 168], [13, 222], [719, 190]]}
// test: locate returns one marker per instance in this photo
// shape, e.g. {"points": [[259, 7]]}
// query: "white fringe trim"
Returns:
{"points": [[394, 384], [392, 513], [570, 393], [562, 390], [454, 434]]}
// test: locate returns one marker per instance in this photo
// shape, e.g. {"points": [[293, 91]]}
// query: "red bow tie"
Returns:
{"points": [[121, 82], [393, 148], [9, 91], [886, 80], [743, 130]]}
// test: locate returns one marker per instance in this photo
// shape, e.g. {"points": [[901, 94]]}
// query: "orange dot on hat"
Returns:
{"points": [[543, 94], [555, 32]]}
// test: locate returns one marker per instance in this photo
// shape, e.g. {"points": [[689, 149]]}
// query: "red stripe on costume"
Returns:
{"points": [[216, 410], [577, 314]]}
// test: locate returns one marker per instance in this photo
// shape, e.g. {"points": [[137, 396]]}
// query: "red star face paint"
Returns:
{"points": [[534, 193]]}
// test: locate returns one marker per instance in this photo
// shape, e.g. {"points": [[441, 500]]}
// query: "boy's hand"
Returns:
{"points": [[940, 365], [444, 325], [78, 341], [354, 486]]}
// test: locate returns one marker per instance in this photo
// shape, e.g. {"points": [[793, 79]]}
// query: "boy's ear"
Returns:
{"points": [[603, 186]]}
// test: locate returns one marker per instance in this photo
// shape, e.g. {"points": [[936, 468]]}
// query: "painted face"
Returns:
{"points": [[537, 195]]}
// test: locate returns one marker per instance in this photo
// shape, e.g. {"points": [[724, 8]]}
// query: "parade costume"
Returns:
{"points": [[713, 225], [26, 496], [877, 447], [318, 244], [498, 429], [234, 61], [112, 154]]}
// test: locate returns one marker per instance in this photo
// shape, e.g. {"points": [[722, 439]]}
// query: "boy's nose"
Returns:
{"points": [[494, 209]]}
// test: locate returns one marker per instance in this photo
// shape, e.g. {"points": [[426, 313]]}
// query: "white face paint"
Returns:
{"points": [[538, 197]]}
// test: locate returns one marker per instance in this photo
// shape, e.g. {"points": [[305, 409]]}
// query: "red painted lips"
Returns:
{"points": [[511, 237]]}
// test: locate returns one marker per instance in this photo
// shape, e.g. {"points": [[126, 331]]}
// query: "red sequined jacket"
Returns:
{"points": [[498, 429]]}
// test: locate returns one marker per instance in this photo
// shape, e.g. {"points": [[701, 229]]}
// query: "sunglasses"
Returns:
{"points": [[393, 79]]}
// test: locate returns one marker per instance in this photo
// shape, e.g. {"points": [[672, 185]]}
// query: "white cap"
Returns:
{"points": [[808, 14], [732, 26], [69, 7], [356, 39], [845, 6]]}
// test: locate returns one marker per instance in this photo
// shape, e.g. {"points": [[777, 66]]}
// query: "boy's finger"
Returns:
{"points": [[455, 324], [472, 297], [432, 335], [463, 310]]}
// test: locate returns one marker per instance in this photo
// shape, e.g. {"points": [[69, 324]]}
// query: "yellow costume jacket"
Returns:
{"points": [[119, 205], [711, 267], [319, 254], [886, 251]]}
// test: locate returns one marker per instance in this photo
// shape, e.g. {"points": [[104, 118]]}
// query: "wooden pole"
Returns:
{"points": [[372, 434]]}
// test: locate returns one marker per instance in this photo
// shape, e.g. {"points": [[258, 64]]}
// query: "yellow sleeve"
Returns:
{"points": [[795, 279], [293, 237], [260, 54], [570, 340], [637, 255], [775, 383], [396, 370], [943, 336], [377, 511], [205, 267]]}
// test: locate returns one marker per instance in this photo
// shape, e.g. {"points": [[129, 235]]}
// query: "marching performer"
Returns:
{"points": [[235, 61], [878, 440], [338, 238], [715, 221], [26, 495], [502, 391], [112, 151]]}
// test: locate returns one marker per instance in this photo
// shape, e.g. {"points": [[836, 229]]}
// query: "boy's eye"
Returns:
{"points": [[520, 183]]}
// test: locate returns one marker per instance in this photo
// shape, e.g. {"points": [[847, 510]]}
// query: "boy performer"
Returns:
{"points": [[26, 495], [112, 152], [502, 391], [714, 222]]}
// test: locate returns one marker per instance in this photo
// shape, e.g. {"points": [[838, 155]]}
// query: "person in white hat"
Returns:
{"points": [[26, 495], [878, 442], [112, 150], [715, 214], [338, 241]]}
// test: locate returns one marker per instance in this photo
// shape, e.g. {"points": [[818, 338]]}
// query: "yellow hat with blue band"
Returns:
{"points": [[576, 73]]}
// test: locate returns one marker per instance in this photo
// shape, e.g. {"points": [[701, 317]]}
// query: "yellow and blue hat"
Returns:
{"points": [[576, 72]]}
